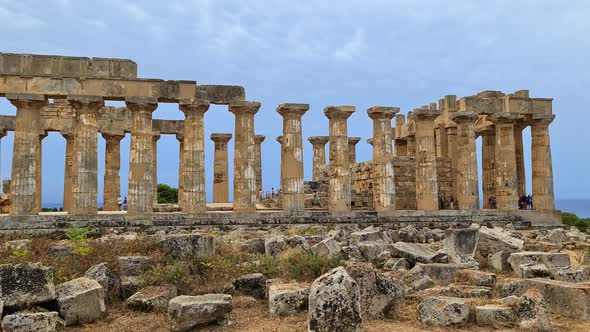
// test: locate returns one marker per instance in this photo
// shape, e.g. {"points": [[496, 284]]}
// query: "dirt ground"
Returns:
{"points": [[257, 319]]}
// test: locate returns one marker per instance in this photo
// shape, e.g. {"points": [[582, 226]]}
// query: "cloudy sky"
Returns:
{"points": [[374, 52]]}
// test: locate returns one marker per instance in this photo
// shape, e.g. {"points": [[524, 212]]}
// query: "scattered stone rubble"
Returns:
{"points": [[477, 275]]}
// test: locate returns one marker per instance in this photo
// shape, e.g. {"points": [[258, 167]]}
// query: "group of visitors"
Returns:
{"points": [[525, 202], [268, 195], [444, 203]]}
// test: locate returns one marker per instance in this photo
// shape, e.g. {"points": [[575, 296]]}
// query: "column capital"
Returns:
{"points": [[280, 139], [28, 100], [318, 140], [241, 106], [221, 138], [353, 140], [541, 119], [2, 133], [424, 114], [112, 137], [180, 137], [189, 106], [86, 103], [464, 117], [258, 139], [382, 112], [141, 104], [503, 118], [339, 112], [485, 131], [290, 109], [400, 120], [42, 134], [370, 141], [156, 137]]}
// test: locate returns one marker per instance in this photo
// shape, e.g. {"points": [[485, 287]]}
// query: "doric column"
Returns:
{"points": [[258, 139], [319, 155], [26, 151], [543, 195], [112, 166], [68, 170], [442, 148], [40, 171], [352, 141], [488, 157], [467, 178], [506, 182], [141, 200], [194, 196], [279, 139], [155, 139], [244, 156], [426, 173], [292, 195], [2, 135], [452, 153], [339, 188], [383, 181], [180, 138], [519, 149], [85, 185], [220, 168]]}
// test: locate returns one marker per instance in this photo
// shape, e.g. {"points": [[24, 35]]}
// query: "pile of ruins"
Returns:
{"points": [[428, 154]]}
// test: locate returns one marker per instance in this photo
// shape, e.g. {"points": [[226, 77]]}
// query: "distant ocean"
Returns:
{"points": [[581, 207]]}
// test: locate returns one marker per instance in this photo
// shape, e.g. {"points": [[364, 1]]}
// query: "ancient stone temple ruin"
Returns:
{"points": [[428, 154]]}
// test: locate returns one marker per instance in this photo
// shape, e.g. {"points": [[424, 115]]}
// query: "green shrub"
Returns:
{"points": [[79, 237], [167, 194], [171, 273], [571, 219]]}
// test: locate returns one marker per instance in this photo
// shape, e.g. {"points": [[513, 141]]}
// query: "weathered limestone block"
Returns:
{"points": [[152, 298], [186, 312], [532, 312], [80, 301], [133, 265], [442, 274], [287, 299], [495, 315], [129, 286], [275, 245], [102, 274], [476, 278], [33, 322], [493, 240], [499, 261], [326, 247], [181, 246], [461, 241], [368, 234], [396, 264], [553, 261], [18, 245], [334, 303], [26, 284], [573, 275], [253, 246], [381, 295], [443, 311], [253, 284], [371, 250], [413, 252], [463, 291]]}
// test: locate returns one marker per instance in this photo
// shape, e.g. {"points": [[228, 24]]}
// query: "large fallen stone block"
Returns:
{"points": [[553, 261], [461, 241], [573, 275], [476, 278], [369, 234], [80, 301], [327, 247], [129, 286], [371, 249], [107, 279], [381, 295], [568, 299], [253, 284], [443, 311], [26, 284], [18, 245], [287, 299], [134, 265], [442, 274], [275, 245], [152, 298], [253, 246], [499, 261], [413, 252], [396, 264], [532, 313], [181, 246], [334, 303], [463, 291], [186, 312], [33, 322], [493, 240], [495, 315]]}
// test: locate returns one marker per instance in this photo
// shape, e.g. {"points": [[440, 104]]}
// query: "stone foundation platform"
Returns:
{"points": [[49, 223]]}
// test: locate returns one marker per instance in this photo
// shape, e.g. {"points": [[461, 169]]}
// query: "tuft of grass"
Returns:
{"points": [[172, 273], [301, 266]]}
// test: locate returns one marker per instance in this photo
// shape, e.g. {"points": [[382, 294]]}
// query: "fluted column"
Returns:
{"points": [[26, 151], [194, 198], [543, 195], [180, 138], [452, 150], [383, 182], [140, 196], [220, 168], [319, 155], [467, 178], [506, 180], [339, 188], [68, 170], [279, 139], [426, 172], [442, 148], [411, 145], [85, 184], [519, 149], [2, 135], [155, 139], [244, 156], [258, 139], [112, 166], [40, 172], [352, 142], [292, 195], [488, 157]]}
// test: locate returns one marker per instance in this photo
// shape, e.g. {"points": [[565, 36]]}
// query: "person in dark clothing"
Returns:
{"points": [[530, 201]]}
